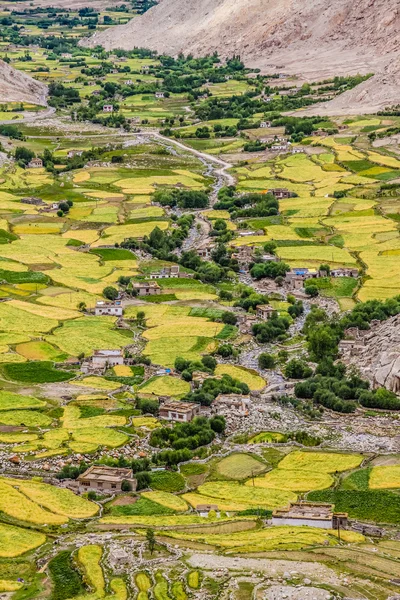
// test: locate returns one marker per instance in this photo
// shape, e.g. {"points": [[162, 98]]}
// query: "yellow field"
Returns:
{"points": [[268, 539], [295, 481], [322, 462], [251, 378], [72, 419], [385, 477], [18, 506], [240, 466], [267, 498], [167, 499], [89, 557], [122, 371], [166, 386], [15, 541]]}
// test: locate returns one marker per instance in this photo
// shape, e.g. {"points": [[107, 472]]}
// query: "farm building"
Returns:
{"points": [[104, 358], [354, 347], [35, 163], [267, 99], [159, 95], [320, 133], [246, 322], [147, 288], [319, 514], [108, 308], [204, 510], [264, 311], [72, 153], [145, 69], [205, 251], [280, 148], [296, 277], [108, 108], [270, 258], [166, 272], [179, 411], [231, 401], [129, 82], [344, 272], [265, 124], [106, 479], [298, 150], [280, 193], [32, 200], [244, 254]]}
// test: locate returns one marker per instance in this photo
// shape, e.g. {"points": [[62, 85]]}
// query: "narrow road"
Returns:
{"points": [[45, 114]]}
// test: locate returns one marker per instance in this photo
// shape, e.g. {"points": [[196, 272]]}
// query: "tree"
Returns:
{"points": [[23, 155], [218, 424], [229, 318], [311, 290], [148, 406], [64, 206], [82, 306], [266, 361], [126, 486], [181, 364], [297, 369], [151, 540], [325, 268], [209, 362], [111, 293]]}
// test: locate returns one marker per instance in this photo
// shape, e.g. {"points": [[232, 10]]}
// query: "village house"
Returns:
{"points": [[298, 150], [166, 272], [159, 95], [270, 258], [265, 124], [204, 510], [243, 254], [179, 411], [246, 322], [320, 133], [231, 402], [107, 358], [147, 288], [296, 277], [72, 153], [108, 108], [345, 272], [129, 82], [32, 200], [353, 347], [264, 311], [106, 479], [205, 251], [66, 55], [280, 193], [145, 69], [280, 148], [113, 309], [318, 514], [267, 99], [35, 163]]}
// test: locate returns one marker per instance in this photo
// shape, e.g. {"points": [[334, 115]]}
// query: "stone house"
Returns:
{"points": [[159, 95], [107, 358], [166, 272], [204, 510], [147, 288], [231, 401], [317, 514], [108, 108], [113, 309], [296, 277], [264, 311], [205, 251], [35, 163], [72, 153], [106, 479], [345, 272], [280, 193], [179, 411], [265, 124]]}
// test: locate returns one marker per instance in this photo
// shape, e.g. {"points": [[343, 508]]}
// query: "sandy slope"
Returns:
{"points": [[313, 38], [16, 86]]}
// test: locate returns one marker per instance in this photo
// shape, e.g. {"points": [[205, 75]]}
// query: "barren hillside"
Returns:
{"points": [[313, 38], [16, 86]]}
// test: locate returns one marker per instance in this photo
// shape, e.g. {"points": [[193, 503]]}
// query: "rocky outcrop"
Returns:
{"points": [[379, 359], [16, 86]]}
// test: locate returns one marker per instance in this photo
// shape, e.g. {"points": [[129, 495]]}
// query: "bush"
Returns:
{"points": [[67, 581], [111, 293], [266, 361], [229, 318], [297, 369], [311, 290]]}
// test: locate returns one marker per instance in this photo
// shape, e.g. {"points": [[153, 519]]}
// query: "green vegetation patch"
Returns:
{"points": [[167, 481], [114, 254], [143, 506], [379, 507], [67, 582], [34, 372]]}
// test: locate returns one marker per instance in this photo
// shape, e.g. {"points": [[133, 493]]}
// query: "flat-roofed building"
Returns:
{"points": [[35, 163], [106, 479], [166, 272], [107, 358], [179, 411], [147, 288], [317, 514], [204, 509], [264, 311], [113, 309], [231, 401]]}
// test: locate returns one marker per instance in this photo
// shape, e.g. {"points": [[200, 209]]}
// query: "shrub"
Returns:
{"points": [[266, 361], [297, 369]]}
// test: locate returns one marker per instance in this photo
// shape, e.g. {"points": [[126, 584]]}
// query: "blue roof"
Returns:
{"points": [[300, 271]]}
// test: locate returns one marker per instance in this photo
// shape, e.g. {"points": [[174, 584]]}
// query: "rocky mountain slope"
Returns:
{"points": [[19, 87], [379, 358], [313, 38]]}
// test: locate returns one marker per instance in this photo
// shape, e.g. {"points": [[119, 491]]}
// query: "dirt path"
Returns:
{"points": [[45, 114]]}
